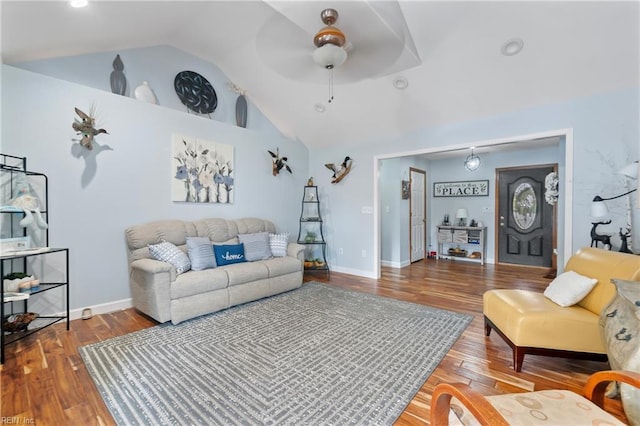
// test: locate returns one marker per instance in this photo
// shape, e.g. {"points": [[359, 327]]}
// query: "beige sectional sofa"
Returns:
{"points": [[165, 295]]}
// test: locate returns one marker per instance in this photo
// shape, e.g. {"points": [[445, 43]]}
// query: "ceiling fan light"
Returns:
{"points": [[329, 56]]}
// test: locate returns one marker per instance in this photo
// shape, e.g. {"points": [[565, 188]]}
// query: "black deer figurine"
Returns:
{"points": [[624, 248], [595, 237]]}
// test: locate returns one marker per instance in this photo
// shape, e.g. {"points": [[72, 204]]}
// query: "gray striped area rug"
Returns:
{"points": [[318, 355]]}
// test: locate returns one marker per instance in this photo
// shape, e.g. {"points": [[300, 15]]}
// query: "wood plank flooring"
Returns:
{"points": [[45, 382]]}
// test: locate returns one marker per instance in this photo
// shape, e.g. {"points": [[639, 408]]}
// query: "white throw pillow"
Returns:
{"points": [[168, 252], [278, 244], [569, 288]]}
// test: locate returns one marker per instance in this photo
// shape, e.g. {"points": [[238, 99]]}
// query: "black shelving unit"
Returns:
{"points": [[311, 225], [10, 167]]}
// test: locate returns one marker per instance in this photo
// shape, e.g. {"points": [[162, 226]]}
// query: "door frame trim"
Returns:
{"points": [[566, 182], [554, 231]]}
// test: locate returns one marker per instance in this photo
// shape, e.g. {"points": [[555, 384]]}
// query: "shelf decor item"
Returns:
{"points": [[18, 322], [144, 93], [195, 92], [241, 111], [118, 79], [17, 281]]}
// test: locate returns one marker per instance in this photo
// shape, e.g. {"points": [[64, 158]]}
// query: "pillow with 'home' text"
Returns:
{"points": [[229, 253]]}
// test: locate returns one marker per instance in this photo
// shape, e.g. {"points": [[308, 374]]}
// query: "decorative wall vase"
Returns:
{"points": [[195, 92], [118, 80], [241, 111], [145, 93], [620, 327]]}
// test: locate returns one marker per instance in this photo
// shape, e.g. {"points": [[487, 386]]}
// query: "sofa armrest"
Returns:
{"points": [[296, 250], [150, 281]]}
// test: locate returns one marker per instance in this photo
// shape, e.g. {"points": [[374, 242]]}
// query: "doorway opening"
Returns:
{"points": [[564, 139]]}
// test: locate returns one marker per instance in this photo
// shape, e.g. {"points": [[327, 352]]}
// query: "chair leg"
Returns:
{"points": [[518, 358], [487, 327]]}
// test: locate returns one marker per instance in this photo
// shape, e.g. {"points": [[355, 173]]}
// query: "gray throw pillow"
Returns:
{"points": [[256, 246], [200, 252], [168, 252]]}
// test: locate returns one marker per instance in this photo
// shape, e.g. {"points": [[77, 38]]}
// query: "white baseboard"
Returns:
{"points": [[394, 264], [358, 272], [103, 308]]}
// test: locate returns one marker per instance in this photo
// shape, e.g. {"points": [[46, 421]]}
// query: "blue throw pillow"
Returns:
{"points": [[229, 253]]}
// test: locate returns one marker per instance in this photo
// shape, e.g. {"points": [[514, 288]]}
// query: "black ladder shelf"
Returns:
{"points": [[311, 225]]}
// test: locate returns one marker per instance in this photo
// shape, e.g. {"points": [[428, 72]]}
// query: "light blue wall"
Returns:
{"points": [[157, 65], [94, 195], [606, 137]]}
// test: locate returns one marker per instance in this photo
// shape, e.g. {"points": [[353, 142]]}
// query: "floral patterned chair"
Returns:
{"points": [[459, 404]]}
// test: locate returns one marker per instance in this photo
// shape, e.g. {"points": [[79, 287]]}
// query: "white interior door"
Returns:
{"points": [[417, 202]]}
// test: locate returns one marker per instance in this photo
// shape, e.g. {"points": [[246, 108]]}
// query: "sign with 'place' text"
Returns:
{"points": [[472, 188]]}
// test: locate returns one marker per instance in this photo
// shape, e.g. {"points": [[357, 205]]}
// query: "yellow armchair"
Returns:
{"points": [[532, 324]]}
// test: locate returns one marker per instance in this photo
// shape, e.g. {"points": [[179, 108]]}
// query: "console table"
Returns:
{"points": [[462, 242]]}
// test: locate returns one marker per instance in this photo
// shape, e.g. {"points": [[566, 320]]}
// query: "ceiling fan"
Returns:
{"points": [[373, 40], [330, 42]]}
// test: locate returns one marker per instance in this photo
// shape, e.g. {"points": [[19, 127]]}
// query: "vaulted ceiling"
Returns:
{"points": [[449, 52]]}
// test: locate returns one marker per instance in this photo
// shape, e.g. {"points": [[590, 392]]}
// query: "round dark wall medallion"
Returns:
{"points": [[195, 92]]}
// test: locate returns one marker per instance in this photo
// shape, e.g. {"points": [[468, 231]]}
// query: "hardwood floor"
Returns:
{"points": [[45, 382]]}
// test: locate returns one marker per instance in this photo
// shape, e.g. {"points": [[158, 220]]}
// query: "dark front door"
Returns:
{"points": [[526, 221]]}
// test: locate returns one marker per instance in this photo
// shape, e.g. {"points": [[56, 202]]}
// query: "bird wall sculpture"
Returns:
{"points": [[340, 172], [85, 127], [279, 163]]}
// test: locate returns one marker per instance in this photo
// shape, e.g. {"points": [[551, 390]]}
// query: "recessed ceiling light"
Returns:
{"points": [[78, 3], [512, 47], [400, 83], [319, 108]]}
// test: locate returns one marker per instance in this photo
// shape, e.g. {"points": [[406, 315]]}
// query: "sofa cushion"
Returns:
{"points": [[528, 318], [200, 251], [168, 252], [569, 288], [282, 265], [256, 246], [198, 282], [228, 254], [241, 273], [278, 244]]}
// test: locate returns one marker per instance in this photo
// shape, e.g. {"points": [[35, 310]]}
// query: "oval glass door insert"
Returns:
{"points": [[524, 206]]}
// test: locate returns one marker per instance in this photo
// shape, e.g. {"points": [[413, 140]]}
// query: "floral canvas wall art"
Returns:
{"points": [[202, 171]]}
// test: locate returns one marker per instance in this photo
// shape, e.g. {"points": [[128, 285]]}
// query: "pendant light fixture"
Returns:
{"points": [[472, 162], [329, 42]]}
